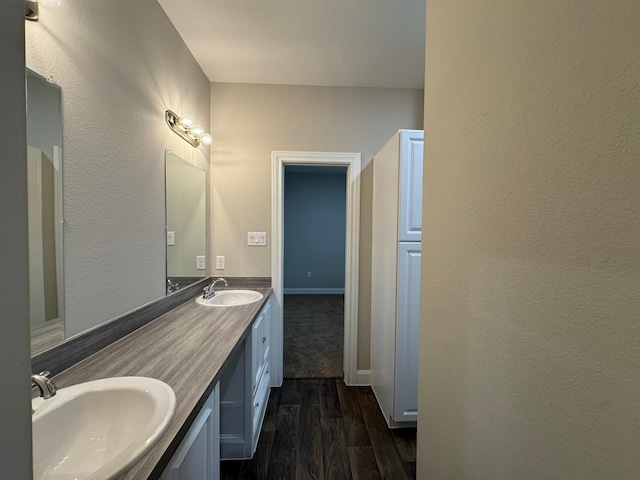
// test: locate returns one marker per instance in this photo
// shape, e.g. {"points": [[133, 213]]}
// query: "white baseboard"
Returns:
{"points": [[313, 291], [363, 378]]}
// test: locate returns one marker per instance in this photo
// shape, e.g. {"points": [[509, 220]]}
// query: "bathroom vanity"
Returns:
{"points": [[198, 351]]}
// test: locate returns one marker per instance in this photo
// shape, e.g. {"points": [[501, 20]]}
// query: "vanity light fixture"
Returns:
{"points": [[187, 129]]}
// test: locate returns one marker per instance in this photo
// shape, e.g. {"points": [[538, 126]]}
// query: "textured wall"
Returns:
{"points": [[120, 66], [315, 210], [15, 415], [530, 339], [249, 121]]}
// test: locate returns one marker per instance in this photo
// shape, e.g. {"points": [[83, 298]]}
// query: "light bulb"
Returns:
{"points": [[196, 131], [187, 122], [206, 139]]}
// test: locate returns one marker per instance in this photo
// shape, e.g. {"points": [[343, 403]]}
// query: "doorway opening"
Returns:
{"points": [[314, 256], [350, 163]]}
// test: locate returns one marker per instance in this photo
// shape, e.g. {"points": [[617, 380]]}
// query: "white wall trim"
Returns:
{"points": [[313, 291], [353, 163], [363, 378]]}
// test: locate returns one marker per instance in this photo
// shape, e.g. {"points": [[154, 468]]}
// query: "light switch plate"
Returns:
{"points": [[257, 239], [200, 262]]}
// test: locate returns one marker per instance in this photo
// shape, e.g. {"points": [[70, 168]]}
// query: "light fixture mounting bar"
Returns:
{"points": [[173, 121], [31, 10]]}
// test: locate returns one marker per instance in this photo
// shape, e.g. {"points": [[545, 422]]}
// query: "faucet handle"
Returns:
{"points": [[45, 373]]}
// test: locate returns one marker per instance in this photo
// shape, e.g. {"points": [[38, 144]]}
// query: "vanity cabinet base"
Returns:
{"points": [[198, 456], [244, 391]]}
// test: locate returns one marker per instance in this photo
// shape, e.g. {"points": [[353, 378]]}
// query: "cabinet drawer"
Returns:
{"points": [[259, 404], [261, 345]]}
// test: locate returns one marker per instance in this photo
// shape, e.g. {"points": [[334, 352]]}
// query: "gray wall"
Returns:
{"points": [[15, 414], [249, 121], [314, 229], [530, 338], [120, 66]]}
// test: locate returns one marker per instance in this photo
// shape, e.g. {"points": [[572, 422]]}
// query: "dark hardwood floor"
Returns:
{"points": [[321, 429]]}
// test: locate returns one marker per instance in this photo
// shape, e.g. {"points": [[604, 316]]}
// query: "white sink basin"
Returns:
{"points": [[95, 430], [231, 298]]}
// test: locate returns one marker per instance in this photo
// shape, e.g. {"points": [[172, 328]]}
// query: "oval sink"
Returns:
{"points": [[96, 430], [231, 298]]}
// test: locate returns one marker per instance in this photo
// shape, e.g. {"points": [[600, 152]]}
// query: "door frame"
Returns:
{"points": [[352, 239]]}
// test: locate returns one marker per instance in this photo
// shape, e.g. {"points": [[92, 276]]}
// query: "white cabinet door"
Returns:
{"points": [[198, 456], [259, 407], [261, 341], [410, 201], [407, 333]]}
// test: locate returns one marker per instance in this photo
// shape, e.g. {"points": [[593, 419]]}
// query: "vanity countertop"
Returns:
{"points": [[185, 348]]}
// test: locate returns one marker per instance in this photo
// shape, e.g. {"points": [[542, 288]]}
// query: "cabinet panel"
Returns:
{"points": [[198, 454], [245, 384], [410, 201], [259, 405], [261, 341], [407, 333], [261, 376], [235, 393]]}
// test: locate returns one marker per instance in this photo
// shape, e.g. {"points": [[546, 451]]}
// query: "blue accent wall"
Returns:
{"points": [[314, 227]]}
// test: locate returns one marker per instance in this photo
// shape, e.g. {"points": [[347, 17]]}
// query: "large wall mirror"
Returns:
{"points": [[186, 198], [45, 219]]}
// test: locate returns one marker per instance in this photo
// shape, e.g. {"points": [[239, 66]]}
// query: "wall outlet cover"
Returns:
{"points": [[201, 262], [220, 262], [171, 238]]}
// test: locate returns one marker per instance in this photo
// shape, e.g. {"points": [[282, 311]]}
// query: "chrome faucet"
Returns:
{"points": [[46, 386], [172, 286], [208, 290]]}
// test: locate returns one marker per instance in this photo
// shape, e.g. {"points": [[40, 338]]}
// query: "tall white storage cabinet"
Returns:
{"points": [[395, 276]]}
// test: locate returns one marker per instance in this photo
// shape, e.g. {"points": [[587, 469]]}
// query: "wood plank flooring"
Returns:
{"points": [[320, 429]]}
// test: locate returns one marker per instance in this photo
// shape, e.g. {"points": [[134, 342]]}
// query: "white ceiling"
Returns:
{"points": [[350, 43]]}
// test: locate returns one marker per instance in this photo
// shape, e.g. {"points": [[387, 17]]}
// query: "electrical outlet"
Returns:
{"points": [[201, 262], [220, 262], [171, 238], [308, 274]]}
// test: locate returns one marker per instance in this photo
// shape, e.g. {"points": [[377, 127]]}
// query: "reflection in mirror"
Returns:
{"points": [[186, 222], [45, 220]]}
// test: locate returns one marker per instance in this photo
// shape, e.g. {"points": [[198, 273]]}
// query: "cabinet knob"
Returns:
{"points": [[264, 339]]}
